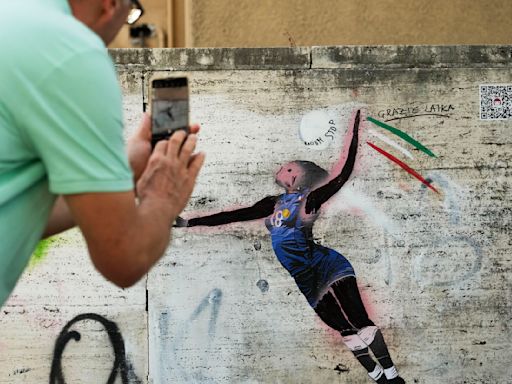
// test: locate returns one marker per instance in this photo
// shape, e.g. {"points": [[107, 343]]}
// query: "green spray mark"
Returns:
{"points": [[402, 135], [41, 251]]}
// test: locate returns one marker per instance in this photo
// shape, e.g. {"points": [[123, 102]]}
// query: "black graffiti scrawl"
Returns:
{"points": [[120, 367]]}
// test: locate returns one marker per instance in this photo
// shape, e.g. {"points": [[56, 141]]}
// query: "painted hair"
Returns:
{"points": [[313, 174]]}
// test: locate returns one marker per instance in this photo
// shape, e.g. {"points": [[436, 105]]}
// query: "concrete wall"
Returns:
{"points": [[433, 268], [264, 23], [245, 23]]}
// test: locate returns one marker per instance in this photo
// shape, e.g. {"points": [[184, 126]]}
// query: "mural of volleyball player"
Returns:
{"points": [[324, 276]]}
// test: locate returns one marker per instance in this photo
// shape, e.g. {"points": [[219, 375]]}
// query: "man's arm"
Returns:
{"points": [[124, 239], [60, 219]]}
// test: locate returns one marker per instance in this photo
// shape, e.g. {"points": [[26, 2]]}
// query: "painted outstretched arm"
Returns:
{"points": [[320, 195], [261, 209]]}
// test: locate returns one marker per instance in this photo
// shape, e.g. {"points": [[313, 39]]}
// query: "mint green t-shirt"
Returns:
{"points": [[60, 123]]}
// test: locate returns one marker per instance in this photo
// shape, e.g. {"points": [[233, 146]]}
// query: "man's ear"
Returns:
{"points": [[108, 9], [86, 11]]}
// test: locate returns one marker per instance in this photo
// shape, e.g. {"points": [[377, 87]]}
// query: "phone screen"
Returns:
{"points": [[169, 107]]}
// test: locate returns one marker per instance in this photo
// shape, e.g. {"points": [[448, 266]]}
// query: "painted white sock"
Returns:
{"points": [[377, 373], [391, 373]]}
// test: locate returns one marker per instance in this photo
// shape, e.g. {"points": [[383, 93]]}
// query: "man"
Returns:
{"points": [[61, 135]]}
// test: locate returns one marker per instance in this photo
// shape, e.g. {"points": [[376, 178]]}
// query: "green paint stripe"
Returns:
{"points": [[402, 135]]}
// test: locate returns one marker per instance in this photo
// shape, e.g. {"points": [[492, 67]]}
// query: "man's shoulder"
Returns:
{"points": [[49, 47], [66, 34], [46, 36]]}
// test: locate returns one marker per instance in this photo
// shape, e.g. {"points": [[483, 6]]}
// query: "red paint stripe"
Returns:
{"points": [[403, 165]]}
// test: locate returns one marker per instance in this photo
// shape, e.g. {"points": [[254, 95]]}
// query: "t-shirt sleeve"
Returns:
{"points": [[74, 124]]}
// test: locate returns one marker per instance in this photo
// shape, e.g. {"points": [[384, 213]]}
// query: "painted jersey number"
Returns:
{"points": [[277, 218]]}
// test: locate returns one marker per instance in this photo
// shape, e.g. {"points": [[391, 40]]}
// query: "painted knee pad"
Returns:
{"points": [[354, 342], [367, 334]]}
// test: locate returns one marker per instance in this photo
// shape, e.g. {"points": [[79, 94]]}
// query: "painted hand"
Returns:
{"points": [[180, 222]]}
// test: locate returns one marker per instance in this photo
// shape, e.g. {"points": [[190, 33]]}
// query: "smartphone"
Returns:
{"points": [[169, 107]]}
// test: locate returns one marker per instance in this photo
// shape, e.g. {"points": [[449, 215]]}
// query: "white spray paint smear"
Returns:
{"points": [[391, 143], [348, 198]]}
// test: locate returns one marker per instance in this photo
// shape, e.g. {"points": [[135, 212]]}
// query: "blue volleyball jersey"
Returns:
{"points": [[313, 266]]}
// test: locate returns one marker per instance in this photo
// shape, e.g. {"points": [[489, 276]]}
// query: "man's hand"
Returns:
{"points": [[171, 173], [139, 146]]}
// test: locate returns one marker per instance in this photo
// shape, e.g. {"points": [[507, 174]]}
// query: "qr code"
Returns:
{"points": [[495, 101]]}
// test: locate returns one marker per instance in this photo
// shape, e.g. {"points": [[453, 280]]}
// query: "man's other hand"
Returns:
{"points": [[139, 147]]}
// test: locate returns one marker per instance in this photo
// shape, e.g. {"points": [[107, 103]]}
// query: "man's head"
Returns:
{"points": [[105, 17]]}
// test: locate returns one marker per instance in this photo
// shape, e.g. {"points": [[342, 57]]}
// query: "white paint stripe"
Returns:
{"points": [[349, 198], [391, 143]]}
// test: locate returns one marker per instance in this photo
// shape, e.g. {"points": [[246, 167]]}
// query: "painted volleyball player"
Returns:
{"points": [[324, 276]]}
